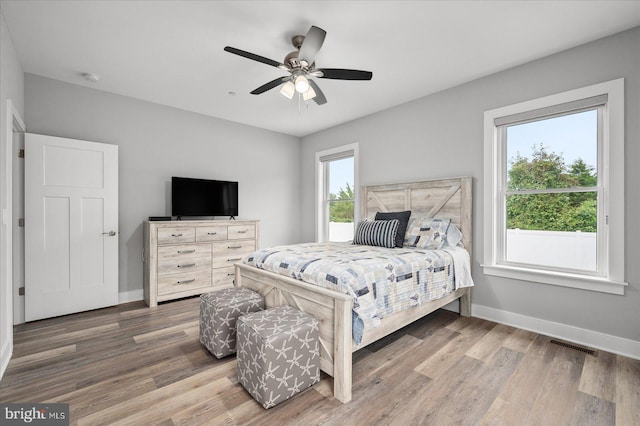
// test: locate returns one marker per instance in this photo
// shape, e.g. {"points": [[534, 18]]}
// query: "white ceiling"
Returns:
{"points": [[171, 52]]}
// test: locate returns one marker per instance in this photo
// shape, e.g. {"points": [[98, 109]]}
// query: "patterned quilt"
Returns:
{"points": [[382, 281]]}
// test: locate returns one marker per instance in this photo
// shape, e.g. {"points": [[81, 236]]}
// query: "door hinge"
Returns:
{"points": [[21, 222], [21, 291], [21, 153]]}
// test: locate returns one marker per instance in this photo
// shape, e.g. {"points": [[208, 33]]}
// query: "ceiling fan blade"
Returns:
{"points": [[270, 85], [312, 44], [342, 74], [319, 98], [252, 56]]}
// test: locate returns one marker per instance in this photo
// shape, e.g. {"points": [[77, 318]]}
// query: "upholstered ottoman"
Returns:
{"points": [[278, 354], [219, 312]]}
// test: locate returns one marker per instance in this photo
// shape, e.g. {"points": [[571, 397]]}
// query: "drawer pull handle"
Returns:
{"points": [[230, 275], [234, 259], [188, 265], [176, 235], [186, 251], [234, 247], [186, 281], [242, 232], [212, 233]]}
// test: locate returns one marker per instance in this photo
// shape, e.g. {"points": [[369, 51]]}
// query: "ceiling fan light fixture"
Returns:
{"points": [[309, 94], [288, 90], [302, 84]]}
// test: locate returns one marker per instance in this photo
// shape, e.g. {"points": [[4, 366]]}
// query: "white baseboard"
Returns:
{"points": [[593, 339], [130, 296], [5, 355]]}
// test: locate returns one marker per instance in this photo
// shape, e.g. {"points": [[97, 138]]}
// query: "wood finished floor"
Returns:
{"points": [[133, 365]]}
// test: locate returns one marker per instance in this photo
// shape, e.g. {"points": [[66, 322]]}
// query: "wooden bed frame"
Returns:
{"points": [[445, 198]]}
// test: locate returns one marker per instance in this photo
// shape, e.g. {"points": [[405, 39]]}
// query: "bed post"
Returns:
{"points": [[342, 351], [466, 224], [237, 281], [465, 303]]}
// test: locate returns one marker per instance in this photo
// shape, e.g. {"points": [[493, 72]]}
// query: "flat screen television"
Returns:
{"points": [[203, 197]]}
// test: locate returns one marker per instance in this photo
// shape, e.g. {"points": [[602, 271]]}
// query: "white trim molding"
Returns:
{"points": [[130, 296], [5, 356], [583, 282], [593, 339], [609, 278], [14, 123]]}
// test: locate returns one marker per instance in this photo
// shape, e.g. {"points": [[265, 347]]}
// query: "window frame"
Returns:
{"points": [[601, 235], [610, 275], [322, 186]]}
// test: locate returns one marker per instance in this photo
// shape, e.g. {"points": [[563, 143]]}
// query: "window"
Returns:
{"points": [[554, 189], [551, 195], [336, 193]]}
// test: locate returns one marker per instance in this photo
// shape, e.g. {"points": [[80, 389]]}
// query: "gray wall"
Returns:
{"points": [[418, 140], [157, 142]]}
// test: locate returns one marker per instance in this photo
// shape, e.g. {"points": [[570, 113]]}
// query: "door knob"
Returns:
{"points": [[110, 233]]}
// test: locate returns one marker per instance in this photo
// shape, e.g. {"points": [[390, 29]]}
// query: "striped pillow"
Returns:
{"points": [[380, 233]]}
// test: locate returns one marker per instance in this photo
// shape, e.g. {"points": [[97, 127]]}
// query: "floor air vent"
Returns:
{"points": [[575, 347]]}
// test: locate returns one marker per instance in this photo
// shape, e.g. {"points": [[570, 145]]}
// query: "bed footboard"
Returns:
{"points": [[331, 308]]}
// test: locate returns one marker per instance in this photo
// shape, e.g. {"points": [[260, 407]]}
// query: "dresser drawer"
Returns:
{"points": [[176, 283], [177, 266], [223, 277], [183, 251], [211, 233], [181, 234], [231, 252], [239, 232]]}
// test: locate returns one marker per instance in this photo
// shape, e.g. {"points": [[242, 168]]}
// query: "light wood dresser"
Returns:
{"points": [[185, 258]]}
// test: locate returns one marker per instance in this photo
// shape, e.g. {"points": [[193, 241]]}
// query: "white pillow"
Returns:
{"points": [[432, 234]]}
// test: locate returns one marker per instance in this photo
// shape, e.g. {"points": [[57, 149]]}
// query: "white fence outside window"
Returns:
{"points": [[341, 231], [573, 250]]}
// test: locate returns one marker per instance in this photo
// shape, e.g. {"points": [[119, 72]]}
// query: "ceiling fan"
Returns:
{"points": [[301, 65]]}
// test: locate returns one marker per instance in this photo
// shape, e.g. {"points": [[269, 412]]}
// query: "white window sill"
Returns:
{"points": [[584, 282]]}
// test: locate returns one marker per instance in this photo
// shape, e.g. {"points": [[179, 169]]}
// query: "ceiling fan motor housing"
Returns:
{"points": [[292, 57], [292, 60]]}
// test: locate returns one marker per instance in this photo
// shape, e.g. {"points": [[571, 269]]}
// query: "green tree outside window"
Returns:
{"points": [[570, 211], [341, 205]]}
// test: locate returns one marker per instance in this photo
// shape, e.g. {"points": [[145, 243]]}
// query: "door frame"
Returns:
{"points": [[14, 123]]}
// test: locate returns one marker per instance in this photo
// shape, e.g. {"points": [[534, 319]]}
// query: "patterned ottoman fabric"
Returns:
{"points": [[278, 354], [219, 312]]}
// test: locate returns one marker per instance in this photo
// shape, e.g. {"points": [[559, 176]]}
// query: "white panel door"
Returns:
{"points": [[71, 226]]}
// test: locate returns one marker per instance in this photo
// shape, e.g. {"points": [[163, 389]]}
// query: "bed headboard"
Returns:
{"points": [[442, 198]]}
